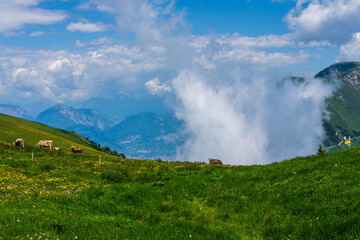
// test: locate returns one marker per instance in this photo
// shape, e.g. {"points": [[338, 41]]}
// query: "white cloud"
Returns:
{"points": [[63, 75], [100, 41], [155, 86], [351, 50], [275, 59], [329, 20], [86, 27], [37, 34], [234, 48], [149, 20], [67, 75], [16, 14], [266, 41], [245, 119]]}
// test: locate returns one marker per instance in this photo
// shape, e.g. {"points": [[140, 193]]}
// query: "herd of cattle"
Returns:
{"points": [[47, 144]]}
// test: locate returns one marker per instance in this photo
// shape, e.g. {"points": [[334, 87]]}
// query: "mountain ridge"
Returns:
{"points": [[86, 122], [141, 135], [147, 135], [344, 105]]}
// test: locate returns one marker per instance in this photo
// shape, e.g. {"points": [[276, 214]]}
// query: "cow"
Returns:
{"points": [[76, 150], [18, 142], [57, 148], [215, 161], [45, 143]]}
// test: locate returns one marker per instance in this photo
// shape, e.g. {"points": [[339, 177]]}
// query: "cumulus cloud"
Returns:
{"points": [[329, 20], [29, 12], [82, 75], [155, 86], [351, 50], [86, 27], [61, 75]]}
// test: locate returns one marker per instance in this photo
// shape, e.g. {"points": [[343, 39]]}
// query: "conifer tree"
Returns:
{"points": [[321, 151]]}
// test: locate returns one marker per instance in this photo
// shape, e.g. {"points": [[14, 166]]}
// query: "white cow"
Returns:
{"points": [[45, 143]]}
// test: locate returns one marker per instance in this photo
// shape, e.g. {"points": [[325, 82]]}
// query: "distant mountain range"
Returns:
{"points": [[86, 122], [147, 135], [143, 135], [14, 111]]}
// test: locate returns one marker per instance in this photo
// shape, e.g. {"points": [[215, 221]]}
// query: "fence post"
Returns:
{"points": [[99, 159], [32, 156]]}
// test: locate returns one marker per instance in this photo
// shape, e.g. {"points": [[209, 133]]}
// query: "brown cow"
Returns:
{"points": [[45, 143], [76, 150], [215, 161], [18, 142]]}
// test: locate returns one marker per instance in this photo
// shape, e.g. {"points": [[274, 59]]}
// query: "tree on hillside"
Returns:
{"points": [[321, 151]]}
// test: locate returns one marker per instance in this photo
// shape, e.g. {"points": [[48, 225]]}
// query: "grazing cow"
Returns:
{"points": [[215, 161], [18, 142], [45, 143], [76, 150], [57, 148]]}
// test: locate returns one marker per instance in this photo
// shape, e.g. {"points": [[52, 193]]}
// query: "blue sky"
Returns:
{"points": [[215, 64], [73, 51], [246, 18]]}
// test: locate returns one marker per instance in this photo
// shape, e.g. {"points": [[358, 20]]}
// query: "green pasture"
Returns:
{"points": [[69, 196], [61, 195], [12, 128]]}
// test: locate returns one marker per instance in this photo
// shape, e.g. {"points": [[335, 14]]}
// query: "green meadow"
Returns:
{"points": [[12, 128], [61, 195]]}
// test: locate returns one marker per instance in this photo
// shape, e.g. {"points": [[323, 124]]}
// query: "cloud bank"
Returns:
{"points": [[246, 118]]}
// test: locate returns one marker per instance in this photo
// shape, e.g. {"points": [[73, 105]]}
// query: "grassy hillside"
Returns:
{"points": [[12, 128], [75, 197]]}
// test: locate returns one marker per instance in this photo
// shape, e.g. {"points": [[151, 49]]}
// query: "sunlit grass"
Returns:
{"points": [[67, 196]]}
